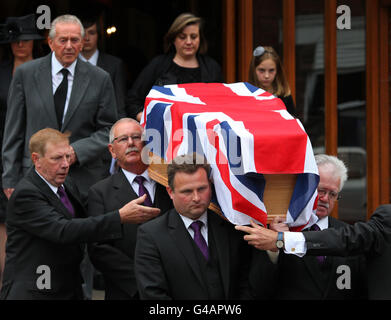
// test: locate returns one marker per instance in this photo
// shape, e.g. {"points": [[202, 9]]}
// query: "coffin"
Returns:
{"points": [[261, 157], [277, 194]]}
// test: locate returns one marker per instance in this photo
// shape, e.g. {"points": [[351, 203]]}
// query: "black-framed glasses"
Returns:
{"points": [[332, 194], [124, 139]]}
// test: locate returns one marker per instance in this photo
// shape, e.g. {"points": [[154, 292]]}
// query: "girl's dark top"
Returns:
{"points": [[162, 70], [289, 104]]}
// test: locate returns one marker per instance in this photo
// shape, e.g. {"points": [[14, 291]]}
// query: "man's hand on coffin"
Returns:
{"points": [[278, 224], [259, 237]]}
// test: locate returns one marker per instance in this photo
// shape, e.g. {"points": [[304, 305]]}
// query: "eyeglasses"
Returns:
{"points": [[125, 139], [332, 194]]}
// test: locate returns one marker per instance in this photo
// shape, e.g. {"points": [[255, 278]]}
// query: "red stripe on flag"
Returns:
{"points": [[239, 203]]}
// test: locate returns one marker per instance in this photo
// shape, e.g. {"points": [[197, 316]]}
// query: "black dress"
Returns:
{"points": [[289, 104], [162, 70]]}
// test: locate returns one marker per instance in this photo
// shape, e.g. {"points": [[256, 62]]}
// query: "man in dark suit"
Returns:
{"points": [[189, 252], [372, 238], [82, 102], [115, 259], [322, 277], [46, 225], [111, 64]]}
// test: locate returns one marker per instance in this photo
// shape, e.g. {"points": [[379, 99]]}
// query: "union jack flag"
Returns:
{"points": [[243, 132]]}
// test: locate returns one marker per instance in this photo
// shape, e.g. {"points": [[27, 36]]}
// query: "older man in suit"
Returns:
{"points": [[190, 253], [47, 225], [60, 91], [317, 277], [115, 259]]}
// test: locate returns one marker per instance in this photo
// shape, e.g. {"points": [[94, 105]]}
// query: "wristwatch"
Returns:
{"points": [[280, 240]]}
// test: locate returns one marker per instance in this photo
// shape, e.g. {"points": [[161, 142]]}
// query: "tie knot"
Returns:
{"points": [[196, 225], [314, 227], [61, 191], [139, 179], [64, 72]]}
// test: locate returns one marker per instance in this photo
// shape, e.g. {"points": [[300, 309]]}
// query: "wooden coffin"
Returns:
{"points": [[277, 194]]}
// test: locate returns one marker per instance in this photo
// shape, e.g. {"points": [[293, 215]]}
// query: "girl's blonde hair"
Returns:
{"points": [[280, 83]]}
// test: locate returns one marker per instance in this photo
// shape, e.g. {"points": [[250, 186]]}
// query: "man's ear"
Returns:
{"points": [[50, 43], [169, 191], [35, 158], [111, 149]]}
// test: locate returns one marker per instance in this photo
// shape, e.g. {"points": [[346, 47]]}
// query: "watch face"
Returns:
{"points": [[280, 244]]}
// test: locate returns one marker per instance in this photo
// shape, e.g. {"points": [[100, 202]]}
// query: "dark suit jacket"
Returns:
{"points": [[41, 232], [5, 80], [115, 259], [305, 278], [116, 69], [91, 112], [373, 238], [166, 264]]}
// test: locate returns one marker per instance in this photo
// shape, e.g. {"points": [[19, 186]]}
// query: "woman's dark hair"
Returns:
{"points": [[182, 21]]}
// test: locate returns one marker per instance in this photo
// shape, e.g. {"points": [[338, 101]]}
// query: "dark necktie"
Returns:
{"points": [[142, 190], [199, 239], [65, 200], [60, 96], [321, 259]]}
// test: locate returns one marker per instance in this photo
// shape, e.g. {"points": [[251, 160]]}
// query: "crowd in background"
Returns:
{"points": [[78, 88]]}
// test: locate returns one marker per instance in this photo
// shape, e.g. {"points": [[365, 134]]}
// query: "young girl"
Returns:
{"points": [[266, 72]]}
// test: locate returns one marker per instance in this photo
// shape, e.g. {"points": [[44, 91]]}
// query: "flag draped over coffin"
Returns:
{"points": [[243, 132]]}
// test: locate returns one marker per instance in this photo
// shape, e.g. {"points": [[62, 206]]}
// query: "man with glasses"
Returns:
{"points": [[115, 259], [319, 277]]}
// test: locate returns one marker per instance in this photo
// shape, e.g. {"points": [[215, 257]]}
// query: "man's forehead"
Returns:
{"points": [[57, 146], [128, 127], [68, 28]]}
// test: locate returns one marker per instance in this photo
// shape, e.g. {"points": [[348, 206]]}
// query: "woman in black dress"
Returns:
{"points": [[184, 62]]}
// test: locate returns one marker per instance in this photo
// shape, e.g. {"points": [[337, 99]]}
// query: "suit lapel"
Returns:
{"points": [[221, 240], [44, 84], [102, 62], [51, 196], [124, 191], [80, 83], [182, 240]]}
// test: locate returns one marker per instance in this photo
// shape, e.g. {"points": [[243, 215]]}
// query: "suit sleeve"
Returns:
{"points": [[15, 124], [91, 147], [360, 238], [111, 261], [120, 89], [31, 211], [151, 281]]}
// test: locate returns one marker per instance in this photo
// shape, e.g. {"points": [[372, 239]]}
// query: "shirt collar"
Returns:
{"points": [[323, 223], [187, 221], [57, 66], [130, 175], [52, 187], [94, 58]]}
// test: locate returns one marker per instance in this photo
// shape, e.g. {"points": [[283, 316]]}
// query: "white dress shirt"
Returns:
{"points": [[295, 241], [149, 184], [204, 230], [94, 58], [57, 79], [52, 187]]}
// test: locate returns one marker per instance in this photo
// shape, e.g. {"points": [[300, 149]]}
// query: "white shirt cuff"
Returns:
{"points": [[295, 243]]}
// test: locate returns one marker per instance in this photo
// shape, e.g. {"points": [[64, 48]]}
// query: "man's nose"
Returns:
{"points": [[196, 196]]}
